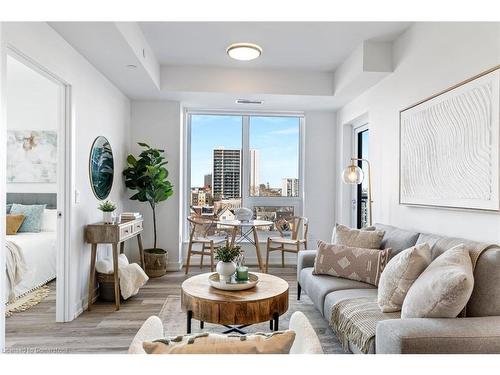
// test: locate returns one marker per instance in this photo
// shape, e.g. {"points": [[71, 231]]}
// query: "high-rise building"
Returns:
{"points": [[254, 172], [226, 173], [207, 180], [290, 187]]}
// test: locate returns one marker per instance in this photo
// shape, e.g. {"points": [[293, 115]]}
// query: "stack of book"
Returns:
{"points": [[127, 216]]}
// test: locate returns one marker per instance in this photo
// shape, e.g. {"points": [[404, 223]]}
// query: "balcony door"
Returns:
{"points": [[360, 202]]}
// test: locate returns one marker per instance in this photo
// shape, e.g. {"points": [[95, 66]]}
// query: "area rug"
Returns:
{"points": [[27, 301], [174, 322]]}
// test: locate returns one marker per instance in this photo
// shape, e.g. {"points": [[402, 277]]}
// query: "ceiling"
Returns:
{"points": [[319, 46]]}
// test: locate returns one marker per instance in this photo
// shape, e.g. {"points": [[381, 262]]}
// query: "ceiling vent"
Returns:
{"points": [[248, 101]]}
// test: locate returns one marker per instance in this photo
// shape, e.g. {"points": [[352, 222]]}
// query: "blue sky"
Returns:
{"points": [[277, 138]]}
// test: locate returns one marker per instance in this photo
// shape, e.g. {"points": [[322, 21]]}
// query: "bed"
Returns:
{"points": [[39, 250]]}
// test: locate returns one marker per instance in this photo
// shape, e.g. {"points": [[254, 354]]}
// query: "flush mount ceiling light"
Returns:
{"points": [[131, 66], [244, 51]]}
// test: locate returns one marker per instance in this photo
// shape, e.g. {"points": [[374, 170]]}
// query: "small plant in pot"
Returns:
{"points": [[147, 175], [107, 209], [226, 266]]}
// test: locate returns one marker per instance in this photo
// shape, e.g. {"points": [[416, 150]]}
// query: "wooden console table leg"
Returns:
{"points": [[116, 276], [257, 248], [92, 275], [141, 250]]}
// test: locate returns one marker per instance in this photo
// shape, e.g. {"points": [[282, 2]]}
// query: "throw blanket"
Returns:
{"points": [[132, 276], [355, 320], [15, 265]]}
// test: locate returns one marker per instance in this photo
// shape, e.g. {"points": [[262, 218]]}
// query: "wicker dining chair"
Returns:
{"points": [[293, 233], [204, 231]]}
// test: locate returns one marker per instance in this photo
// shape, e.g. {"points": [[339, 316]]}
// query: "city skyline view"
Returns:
{"points": [[275, 138]]}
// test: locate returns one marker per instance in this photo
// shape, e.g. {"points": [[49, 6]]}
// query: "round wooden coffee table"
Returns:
{"points": [[235, 310]]}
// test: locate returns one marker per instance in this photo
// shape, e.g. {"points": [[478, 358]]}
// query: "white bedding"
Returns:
{"points": [[39, 250]]}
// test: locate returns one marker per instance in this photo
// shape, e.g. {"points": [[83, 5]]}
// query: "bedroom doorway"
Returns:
{"points": [[38, 189]]}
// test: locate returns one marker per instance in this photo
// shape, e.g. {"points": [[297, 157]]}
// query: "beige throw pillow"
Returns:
{"points": [[443, 289], [367, 238], [212, 343], [399, 275], [352, 263]]}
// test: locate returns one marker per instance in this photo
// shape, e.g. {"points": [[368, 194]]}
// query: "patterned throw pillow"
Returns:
{"points": [[212, 343], [366, 238], [33, 213], [352, 263], [13, 223]]}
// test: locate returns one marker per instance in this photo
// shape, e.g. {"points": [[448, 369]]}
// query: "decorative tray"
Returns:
{"points": [[234, 284]]}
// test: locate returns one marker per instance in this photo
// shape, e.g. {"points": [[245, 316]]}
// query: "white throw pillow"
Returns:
{"points": [[49, 220], [443, 289], [399, 275]]}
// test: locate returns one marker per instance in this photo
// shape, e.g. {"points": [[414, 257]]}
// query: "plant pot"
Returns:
{"points": [[155, 262], [107, 217], [225, 270]]}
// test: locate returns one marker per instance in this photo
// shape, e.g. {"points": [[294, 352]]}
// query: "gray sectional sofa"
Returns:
{"points": [[479, 332]]}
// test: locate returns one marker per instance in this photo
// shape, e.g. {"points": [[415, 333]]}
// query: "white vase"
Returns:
{"points": [[225, 270], [107, 217]]}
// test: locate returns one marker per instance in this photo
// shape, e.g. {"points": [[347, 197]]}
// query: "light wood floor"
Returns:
{"points": [[102, 330]]}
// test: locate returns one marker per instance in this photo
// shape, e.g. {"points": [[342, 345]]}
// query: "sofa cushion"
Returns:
{"points": [[352, 263], [399, 275], [213, 343], [339, 295], [318, 286], [368, 239], [443, 289], [397, 239]]}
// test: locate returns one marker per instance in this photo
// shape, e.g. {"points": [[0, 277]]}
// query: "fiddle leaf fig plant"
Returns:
{"points": [[147, 175]]}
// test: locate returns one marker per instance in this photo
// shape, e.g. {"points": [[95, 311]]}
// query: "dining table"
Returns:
{"points": [[246, 231]]}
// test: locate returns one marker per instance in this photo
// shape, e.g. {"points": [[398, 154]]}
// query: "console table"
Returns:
{"points": [[114, 234]]}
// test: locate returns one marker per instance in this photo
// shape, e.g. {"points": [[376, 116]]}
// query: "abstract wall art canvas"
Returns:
{"points": [[31, 156], [449, 147]]}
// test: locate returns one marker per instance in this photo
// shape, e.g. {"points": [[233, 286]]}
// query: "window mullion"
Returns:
{"points": [[245, 163]]}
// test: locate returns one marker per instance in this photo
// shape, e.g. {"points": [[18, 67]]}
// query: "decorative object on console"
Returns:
{"points": [[226, 266], [32, 156], [352, 263], [243, 214], [449, 147], [148, 177], [126, 216], [354, 175], [101, 167], [107, 209]]}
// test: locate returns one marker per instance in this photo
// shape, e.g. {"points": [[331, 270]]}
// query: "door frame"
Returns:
{"points": [[64, 183], [357, 128]]}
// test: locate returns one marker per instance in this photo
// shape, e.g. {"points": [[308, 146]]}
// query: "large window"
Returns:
{"points": [[249, 161]]}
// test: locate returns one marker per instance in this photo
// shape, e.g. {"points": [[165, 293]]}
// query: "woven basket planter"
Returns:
{"points": [[155, 262]]}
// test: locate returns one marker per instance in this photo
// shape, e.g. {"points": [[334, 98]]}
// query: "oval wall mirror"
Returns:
{"points": [[101, 167]]}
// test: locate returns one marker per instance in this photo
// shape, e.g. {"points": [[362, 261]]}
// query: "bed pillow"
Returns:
{"points": [[352, 263], [212, 343], [399, 275], [33, 213], [49, 220], [443, 289], [368, 238], [13, 223], [7, 208]]}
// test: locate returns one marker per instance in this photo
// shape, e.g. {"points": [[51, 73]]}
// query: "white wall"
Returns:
{"points": [[33, 103], [158, 124], [319, 175], [428, 58], [98, 108]]}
